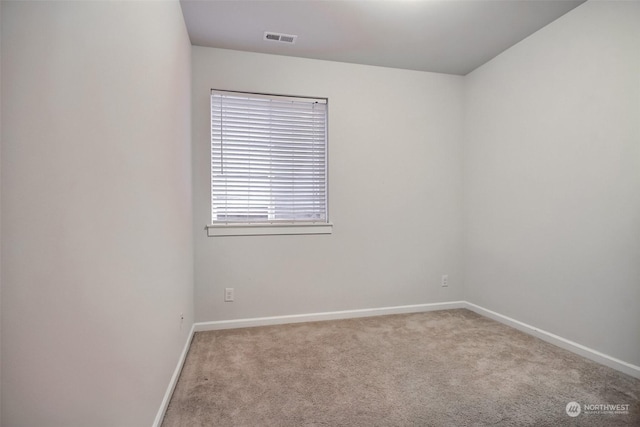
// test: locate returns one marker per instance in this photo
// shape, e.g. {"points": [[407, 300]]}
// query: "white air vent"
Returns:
{"points": [[279, 37]]}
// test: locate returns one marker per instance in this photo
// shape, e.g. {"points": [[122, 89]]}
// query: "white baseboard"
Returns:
{"points": [[174, 380], [556, 340], [564, 343], [331, 315]]}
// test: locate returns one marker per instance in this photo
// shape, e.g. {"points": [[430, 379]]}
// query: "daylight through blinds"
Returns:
{"points": [[268, 158]]}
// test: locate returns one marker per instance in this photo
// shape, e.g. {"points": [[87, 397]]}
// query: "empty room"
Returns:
{"points": [[331, 213]]}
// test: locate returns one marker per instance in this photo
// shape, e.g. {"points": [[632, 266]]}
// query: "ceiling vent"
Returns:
{"points": [[279, 37]]}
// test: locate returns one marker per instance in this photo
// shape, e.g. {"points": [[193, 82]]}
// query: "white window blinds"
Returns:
{"points": [[268, 158]]}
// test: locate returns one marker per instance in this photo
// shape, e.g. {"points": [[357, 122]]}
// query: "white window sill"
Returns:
{"points": [[219, 230]]}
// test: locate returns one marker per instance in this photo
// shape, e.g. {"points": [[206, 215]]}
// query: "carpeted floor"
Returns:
{"points": [[441, 368]]}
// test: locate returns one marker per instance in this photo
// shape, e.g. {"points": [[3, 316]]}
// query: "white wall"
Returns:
{"points": [[394, 192], [0, 212], [552, 179], [96, 220]]}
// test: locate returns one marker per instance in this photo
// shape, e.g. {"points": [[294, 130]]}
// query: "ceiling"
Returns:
{"points": [[444, 36]]}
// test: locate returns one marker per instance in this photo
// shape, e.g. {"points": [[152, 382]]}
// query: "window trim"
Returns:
{"points": [[281, 229], [222, 229]]}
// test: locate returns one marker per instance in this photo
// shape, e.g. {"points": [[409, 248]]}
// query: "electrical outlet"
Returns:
{"points": [[445, 281], [228, 294]]}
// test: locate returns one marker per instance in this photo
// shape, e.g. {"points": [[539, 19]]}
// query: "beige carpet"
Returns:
{"points": [[443, 368]]}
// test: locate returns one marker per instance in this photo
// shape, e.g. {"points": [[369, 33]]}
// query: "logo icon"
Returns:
{"points": [[573, 409]]}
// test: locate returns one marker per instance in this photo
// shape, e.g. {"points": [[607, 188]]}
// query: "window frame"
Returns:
{"points": [[270, 227]]}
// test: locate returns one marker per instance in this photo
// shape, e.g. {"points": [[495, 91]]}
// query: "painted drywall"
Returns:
{"points": [[552, 180], [0, 214], [96, 224], [394, 192]]}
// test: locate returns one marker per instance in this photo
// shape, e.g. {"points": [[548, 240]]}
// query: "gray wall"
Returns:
{"points": [[552, 180], [96, 210], [394, 192]]}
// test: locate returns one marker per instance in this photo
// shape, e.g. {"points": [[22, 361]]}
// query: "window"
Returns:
{"points": [[268, 164]]}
